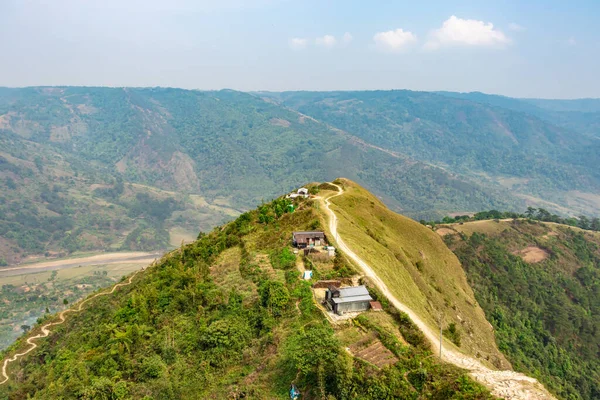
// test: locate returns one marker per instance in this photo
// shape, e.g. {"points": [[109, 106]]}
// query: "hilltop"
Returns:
{"points": [[539, 285], [229, 316]]}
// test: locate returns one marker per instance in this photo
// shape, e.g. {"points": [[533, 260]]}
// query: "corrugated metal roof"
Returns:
{"points": [[319, 233], [353, 291], [353, 299]]}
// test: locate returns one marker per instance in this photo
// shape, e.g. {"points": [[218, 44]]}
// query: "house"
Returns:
{"points": [[302, 192], [307, 239], [348, 299]]}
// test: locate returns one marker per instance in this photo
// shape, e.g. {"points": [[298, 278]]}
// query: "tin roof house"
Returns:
{"points": [[348, 299], [308, 238]]}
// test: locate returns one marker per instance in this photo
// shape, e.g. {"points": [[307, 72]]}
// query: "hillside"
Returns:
{"points": [[79, 166], [497, 141], [228, 317], [539, 286], [53, 204], [578, 115]]}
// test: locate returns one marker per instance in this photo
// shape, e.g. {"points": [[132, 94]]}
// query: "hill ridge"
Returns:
{"points": [[506, 384]]}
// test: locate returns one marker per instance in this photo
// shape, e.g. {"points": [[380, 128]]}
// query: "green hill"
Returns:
{"points": [[539, 285], [207, 156], [494, 140], [228, 317]]}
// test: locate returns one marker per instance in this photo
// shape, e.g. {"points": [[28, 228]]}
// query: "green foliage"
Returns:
{"points": [[546, 318], [176, 333], [283, 259], [452, 333], [312, 346], [274, 296]]}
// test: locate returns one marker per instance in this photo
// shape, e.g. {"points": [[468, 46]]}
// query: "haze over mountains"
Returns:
{"points": [[120, 168]]}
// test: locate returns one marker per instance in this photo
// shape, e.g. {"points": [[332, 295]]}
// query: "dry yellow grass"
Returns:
{"points": [[416, 266], [490, 227]]}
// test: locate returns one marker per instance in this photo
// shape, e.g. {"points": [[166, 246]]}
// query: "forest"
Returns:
{"points": [[546, 315]]}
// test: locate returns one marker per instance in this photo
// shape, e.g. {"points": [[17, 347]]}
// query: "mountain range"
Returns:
{"points": [[84, 168]]}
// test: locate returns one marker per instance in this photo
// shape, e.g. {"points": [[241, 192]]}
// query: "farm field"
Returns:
{"points": [[28, 293]]}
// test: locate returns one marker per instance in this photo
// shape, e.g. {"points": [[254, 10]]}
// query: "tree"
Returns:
{"points": [[530, 213], [584, 222], [274, 296], [38, 163], [65, 302], [25, 328], [312, 346]]}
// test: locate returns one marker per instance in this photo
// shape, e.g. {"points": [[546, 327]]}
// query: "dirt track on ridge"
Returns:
{"points": [[506, 384]]}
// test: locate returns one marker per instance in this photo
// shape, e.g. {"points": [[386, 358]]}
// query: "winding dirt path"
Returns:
{"points": [[61, 316], [505, 384]]}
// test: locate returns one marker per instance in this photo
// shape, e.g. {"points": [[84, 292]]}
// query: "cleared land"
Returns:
{"points": [[140, 258], [533, 254]]}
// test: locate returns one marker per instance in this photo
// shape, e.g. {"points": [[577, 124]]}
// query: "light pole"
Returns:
{"points": [[441, 337]]}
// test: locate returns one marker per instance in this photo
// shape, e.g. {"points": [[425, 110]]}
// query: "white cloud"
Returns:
{"points": [[515, 27], [467, 32], [394, 40], [298, 43], [326, 41], [572, 41], [347, 38]]}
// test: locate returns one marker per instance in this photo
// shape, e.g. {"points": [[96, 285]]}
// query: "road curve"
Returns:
{"points": [[61, 316], [505, 384]]}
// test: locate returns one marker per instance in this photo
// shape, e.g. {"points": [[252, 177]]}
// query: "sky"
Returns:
{"points": [[534, 48]]}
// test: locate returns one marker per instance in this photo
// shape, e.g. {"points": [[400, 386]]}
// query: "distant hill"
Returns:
{"points": [[539, 285], [494, 140], [229, 317], [120, 168], [579, 115]]}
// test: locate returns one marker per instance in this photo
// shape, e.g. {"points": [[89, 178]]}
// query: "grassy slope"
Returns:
{"points": [[192, 326], [547, 313], [417, 267]]}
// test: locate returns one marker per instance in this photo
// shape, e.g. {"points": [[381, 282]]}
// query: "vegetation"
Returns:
{"points": [[545, 312], [67, 151], [212, 320], [534, 214], [29, 297], [488, 138]]}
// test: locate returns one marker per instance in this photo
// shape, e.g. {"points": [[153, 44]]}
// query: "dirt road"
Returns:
{"points": [[46, 331], [505, 384], [99, 259]]}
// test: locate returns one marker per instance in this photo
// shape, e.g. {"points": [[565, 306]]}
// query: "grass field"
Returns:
{"points": [[417, 267]]}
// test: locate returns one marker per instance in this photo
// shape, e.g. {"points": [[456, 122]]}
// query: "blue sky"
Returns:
{"points": [[525, 49]]}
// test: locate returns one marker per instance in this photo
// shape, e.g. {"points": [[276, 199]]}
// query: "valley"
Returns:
{"points": [[120, 169], [30, 291], [97, 183]]}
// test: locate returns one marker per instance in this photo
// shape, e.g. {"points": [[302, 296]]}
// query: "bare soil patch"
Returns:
{"points": [[445, 231], [532, 254], [375, 353], [280, 122]]}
